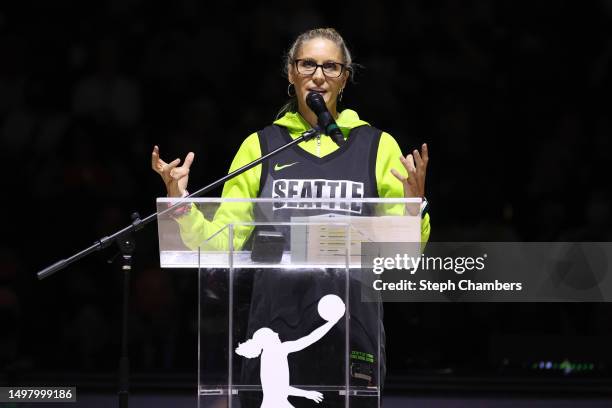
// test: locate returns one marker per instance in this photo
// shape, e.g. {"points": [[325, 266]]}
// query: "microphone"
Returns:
{"points": [[326, 121]]}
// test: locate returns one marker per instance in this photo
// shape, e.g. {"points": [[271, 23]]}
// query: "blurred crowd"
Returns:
{"points": [[512, 98]]}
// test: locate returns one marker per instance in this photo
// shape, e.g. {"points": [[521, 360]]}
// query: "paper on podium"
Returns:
{"points": [[322, 239]]}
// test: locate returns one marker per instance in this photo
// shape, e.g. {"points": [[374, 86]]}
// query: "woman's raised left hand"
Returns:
{"points": [[416, 165]]}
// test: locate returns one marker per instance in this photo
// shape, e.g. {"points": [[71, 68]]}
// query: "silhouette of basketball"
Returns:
{"points": [[331, 307]]}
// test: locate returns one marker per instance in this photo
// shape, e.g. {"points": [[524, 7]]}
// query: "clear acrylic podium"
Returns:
{"points": [[263, 267]]}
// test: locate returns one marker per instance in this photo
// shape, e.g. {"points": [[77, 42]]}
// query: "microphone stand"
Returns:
{"points": [[123, 238]]}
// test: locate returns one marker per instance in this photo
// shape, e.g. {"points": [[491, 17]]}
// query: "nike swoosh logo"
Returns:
{"points": [[278, 167]]}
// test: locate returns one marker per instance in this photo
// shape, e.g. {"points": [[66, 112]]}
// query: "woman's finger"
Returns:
{"points": [[188, 160], [404, 162], [155, 159], [156, 162], [425, 150], [408, 163], [411, 165], [417, 158], [398, 176]]}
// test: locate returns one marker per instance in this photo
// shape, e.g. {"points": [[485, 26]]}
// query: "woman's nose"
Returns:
{"points": [[318, 76]]}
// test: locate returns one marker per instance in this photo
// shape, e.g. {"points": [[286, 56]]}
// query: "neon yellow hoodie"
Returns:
{"points": [[195, 228]]}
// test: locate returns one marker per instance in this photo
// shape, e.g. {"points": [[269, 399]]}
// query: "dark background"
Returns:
{"points": [[512, 98]]}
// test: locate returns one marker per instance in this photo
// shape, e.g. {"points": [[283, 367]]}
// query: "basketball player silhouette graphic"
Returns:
{"points": [[274, 372]]}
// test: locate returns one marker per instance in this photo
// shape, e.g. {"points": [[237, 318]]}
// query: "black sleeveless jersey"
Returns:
{"points": [[287, 302]]}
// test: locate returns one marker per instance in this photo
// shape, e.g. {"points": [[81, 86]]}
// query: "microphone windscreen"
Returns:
{"points": [[315, 102]]}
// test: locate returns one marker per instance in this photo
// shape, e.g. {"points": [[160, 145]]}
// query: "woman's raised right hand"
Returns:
{"points": [[175, 178]]}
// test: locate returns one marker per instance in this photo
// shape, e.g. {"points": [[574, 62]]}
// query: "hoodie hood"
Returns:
{"points": [[296, 125]]}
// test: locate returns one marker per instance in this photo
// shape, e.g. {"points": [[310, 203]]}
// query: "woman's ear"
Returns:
{"points": [[291, 74]]}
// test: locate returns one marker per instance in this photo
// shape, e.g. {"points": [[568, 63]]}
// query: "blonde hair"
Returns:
{"points": [[326, 33]]}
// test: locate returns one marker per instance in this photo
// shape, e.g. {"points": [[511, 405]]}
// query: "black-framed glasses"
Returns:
{"points": [[330, 69]]}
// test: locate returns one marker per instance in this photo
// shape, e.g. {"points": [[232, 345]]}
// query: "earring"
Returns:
{"points": [[289, 90], [340, 94]]}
